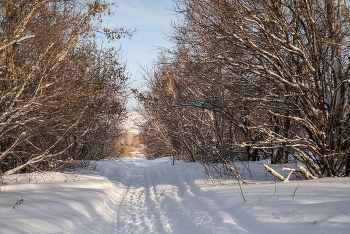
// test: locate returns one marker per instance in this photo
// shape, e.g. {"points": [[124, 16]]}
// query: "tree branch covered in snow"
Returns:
{"points": [[258, 79], [61, 97]]}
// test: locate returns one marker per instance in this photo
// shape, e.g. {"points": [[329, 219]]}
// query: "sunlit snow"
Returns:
{"points": [[139, 196]]}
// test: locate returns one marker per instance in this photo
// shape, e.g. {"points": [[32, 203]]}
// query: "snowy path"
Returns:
{"points": [[162, 198], [139, 196], [137, 210], [158, 199]]}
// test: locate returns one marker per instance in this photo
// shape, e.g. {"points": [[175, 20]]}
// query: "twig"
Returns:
{"points": [[288, 169], [273, 172], [293, 195], [275, 215], [276, 188], [240, 187], [307, 174], [343, 211], [19, 202]]}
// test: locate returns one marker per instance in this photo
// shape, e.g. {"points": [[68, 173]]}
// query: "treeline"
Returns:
{"points": [[251, 80], [62, 97]]}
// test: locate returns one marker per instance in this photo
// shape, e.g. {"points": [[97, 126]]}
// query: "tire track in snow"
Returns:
{"points": [[121, 202], [126, 203], [138, 211], [161, 221], [192, 210], [159, 199]]}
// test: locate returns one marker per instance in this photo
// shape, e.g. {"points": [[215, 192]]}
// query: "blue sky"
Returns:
{"points": [[152, 20]]}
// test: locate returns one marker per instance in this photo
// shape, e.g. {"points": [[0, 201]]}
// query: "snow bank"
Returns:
{"points": [[59, 203], [140, 196]]}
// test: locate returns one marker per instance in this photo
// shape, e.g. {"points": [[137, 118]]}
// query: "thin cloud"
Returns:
{"points": [[140, 14]]}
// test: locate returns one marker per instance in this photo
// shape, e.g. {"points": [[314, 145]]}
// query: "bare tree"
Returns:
{"points": [[58, 91], [297, 46], [276, 72]]}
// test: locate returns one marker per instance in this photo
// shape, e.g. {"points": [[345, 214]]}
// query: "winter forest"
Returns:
{"points": [[242, 126]]}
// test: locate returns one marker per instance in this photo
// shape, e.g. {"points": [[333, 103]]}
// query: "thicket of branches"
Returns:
{"points": [[254, 79], [61, 95]]}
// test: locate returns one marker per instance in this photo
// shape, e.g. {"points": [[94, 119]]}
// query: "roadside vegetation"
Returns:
{"points": [[62, 95], [252, 80]]}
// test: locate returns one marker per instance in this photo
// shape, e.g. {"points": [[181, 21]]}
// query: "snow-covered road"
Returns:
{"points": [[138, 211], [161, 198], [140, 196]]}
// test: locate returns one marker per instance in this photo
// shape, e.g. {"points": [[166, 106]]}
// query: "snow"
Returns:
{"points": [[134, 195]]}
